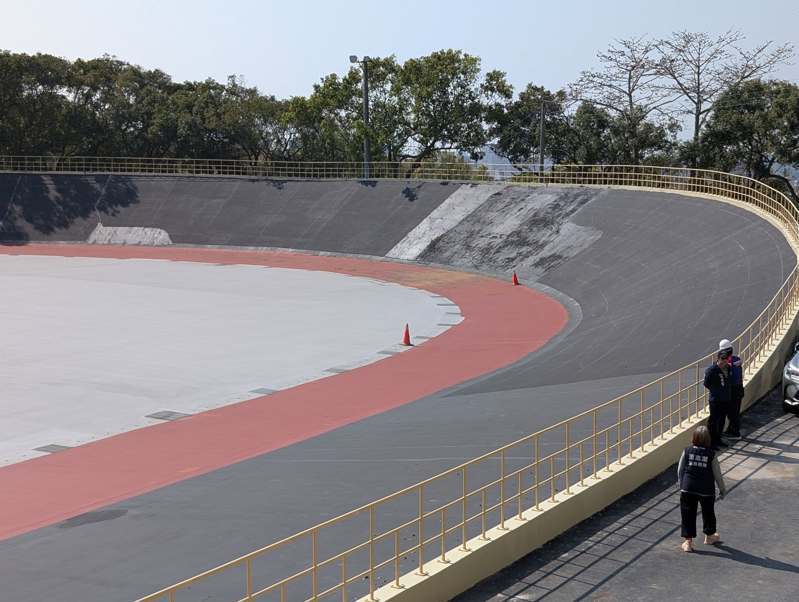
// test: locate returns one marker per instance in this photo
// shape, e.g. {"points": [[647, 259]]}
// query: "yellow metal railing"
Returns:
{"points": [[352, 555]]}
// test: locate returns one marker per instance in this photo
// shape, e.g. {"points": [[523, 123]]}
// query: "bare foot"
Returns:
{"points": [[711, 539], [687, 546]]}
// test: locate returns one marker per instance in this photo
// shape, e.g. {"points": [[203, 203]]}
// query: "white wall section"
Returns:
{"points": [[126, 235], [446, 216]]}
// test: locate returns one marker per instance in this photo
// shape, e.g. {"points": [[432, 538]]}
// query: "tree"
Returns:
{"points": [[515, 124], [698, 69], [114, 105], [447, 104], [593, 135], [253, 123], [419, 109], [389, 118], [755, 127], [193, 120], [588, 137], [32, 104], [627, 85], [276, 141]]}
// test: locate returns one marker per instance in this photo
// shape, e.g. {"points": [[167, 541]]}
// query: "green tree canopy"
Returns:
{"points": [[755, 128], [423, 111]]}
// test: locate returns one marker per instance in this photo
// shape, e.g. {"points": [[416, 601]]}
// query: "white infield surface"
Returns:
{"points": [[91, 347]]}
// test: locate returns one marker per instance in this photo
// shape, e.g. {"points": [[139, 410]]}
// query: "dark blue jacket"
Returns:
{"points": [[719, 385], [737, 372]]}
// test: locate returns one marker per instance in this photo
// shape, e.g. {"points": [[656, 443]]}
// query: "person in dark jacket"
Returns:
{"points": [[717, 382], [699, 473], [737, 392]]}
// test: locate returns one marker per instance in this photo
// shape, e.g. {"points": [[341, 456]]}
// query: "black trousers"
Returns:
{"points": [[715, 422], [734, 412], [688, 504]]}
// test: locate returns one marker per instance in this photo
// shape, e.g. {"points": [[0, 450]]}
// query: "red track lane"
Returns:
{"points": [[502, 324]]}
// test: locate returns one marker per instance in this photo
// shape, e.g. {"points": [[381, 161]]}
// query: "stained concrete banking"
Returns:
{"points": [[522, 229], [659, 278]]}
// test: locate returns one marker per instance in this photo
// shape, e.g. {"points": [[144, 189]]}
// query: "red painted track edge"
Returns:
{"points": [[502, 324]]}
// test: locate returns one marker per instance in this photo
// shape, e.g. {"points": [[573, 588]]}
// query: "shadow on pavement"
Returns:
{"points": [[630, 550], [731, 553]]}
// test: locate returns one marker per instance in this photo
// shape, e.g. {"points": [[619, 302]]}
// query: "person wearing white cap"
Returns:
{"points": [[737, 393], [719, 385]]}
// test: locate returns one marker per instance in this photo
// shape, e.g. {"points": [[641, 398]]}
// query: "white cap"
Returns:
{"points": [[724, 344]]}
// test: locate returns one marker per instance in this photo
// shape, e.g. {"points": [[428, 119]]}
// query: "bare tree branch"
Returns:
{"points": [[699, 68], [627, 83]]}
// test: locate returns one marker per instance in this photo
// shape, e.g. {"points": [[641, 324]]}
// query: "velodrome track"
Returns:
{"points": [[651, 281]]}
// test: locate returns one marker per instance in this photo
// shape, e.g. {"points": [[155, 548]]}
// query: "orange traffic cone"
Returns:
{"points": [[406, 337], [515, 279]]}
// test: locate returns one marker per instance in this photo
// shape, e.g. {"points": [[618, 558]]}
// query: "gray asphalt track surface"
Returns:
{"points": [[667, 278]]}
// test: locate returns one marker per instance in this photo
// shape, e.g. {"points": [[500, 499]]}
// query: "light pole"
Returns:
{"points": [[541, 139], [367, 158]]}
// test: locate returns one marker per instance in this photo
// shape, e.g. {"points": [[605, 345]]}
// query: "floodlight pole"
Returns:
{"points": [[541, 140], [367, 153]]}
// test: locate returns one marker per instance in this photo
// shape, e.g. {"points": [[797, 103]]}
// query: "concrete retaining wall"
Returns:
{"points": [[341, 216]]}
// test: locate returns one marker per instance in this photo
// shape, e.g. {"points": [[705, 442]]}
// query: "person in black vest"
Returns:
{"points": [[718, 383], [699, 473], [737, 392]]}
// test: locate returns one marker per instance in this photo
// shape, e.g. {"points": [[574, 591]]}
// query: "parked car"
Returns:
{"points": [[790, 382]]}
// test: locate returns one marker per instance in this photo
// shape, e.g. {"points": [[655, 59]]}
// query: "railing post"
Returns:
{"points": [[537, 481], [444, 535], [344, 596], [593, 444], [371, 553], [618, 432], [641, 414], [397, 560], [315, 559], [568, 445], [630, 429], [696, 380], [502, 490], [483, 515], [464, 511], [421, 532], [679, 401]]}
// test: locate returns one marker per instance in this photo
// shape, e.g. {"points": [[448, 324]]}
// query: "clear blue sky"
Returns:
{"points": [[283, 47]]}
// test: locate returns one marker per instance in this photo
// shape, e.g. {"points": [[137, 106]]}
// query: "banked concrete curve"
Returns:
{"points": [[657, 276]]}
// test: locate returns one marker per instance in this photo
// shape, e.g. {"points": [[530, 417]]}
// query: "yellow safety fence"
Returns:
{"points": [[352, 555]]}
